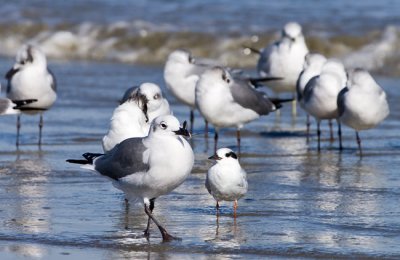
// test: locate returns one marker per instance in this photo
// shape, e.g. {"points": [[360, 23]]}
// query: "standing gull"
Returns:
{"points": [[284, 59], [181, 73], [146, 168], [362, 103], [321, 92], [227, 101], [312, 67], [30, 78], [226, 180]]}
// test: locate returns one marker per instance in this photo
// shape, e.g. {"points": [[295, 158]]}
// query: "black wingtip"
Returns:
{"points": [[255, 81], [91, 156], [278, 101], [251, 49], [21, 103], [77, 161]]}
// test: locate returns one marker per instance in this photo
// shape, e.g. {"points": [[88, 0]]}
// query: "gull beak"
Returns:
{"points": [[182, 130], [143, 100], [214, 157]]}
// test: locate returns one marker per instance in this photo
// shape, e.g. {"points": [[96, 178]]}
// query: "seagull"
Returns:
{"points": [[227, 101], [284, 58], [181, 73], [362, 103], [146, 168], [157, 105], [139, 106], [226, 180], [312, 67], [129, 120], [30, 79], [321, 92]]}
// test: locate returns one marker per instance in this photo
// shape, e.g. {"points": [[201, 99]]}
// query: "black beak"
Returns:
{"points": [[214, 157], [182, 130], [144, 101]]}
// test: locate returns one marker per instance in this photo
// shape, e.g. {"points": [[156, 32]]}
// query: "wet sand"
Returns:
{"points": [[300, 204]]}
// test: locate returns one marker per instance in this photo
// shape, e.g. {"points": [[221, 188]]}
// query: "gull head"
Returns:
{"points": [[292, 31], [360, 77], [28, 55], [314, 60], [216, 76], [153, 95], [224, 155], [181, 57], [168, 125]]}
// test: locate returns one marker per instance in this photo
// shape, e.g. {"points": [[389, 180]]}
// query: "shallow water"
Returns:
{"points": [[300, 204]]}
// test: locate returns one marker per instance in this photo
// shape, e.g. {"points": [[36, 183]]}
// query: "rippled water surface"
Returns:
{"points": [[300, 203]]}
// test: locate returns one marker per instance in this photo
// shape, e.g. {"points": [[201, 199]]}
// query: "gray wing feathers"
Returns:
{"points": [[248, 97], [124, 159], [340, 101], [308, 89], [53, 80]]}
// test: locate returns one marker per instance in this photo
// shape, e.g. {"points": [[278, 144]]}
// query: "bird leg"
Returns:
{"points": [[206, 129], [166, 237], [331, 130], [359, 143], [215, 141], [191, 120], [238, 140], [319, 135], [18, 129], [294, 108], [151, 207], [217, 208], [308, 123], [340, 135], [40, 129], [235, 205]]}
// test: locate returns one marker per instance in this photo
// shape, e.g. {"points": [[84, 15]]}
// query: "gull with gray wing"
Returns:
{"points": [[227, 101], [146, 168], [30, 79], [284, 58], [362, 104]]}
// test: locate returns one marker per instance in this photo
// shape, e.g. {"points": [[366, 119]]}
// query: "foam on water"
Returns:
{"points": [[142, 42]]}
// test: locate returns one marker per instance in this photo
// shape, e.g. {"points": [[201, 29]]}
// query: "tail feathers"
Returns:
{"points": [[21, 103], [278, 101], [88, 156]]}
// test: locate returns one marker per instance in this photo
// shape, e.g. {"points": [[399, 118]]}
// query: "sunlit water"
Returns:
{"points": [[300, 203]]}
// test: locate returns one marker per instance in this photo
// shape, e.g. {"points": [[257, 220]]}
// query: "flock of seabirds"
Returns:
{"points": [[143, 130]]}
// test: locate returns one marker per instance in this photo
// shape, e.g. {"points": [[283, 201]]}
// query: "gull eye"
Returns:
{"points": [[156, 96], [163, 125], [191, 59], [225, 78]]}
